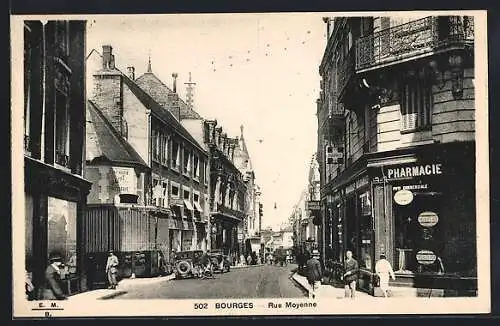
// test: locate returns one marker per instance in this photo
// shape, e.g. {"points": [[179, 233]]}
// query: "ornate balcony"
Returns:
{"points": [[226, 211], [418, 38]]}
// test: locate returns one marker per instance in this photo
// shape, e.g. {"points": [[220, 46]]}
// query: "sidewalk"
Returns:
{"points": [[246, 266], [329, 291], [123, 286]]}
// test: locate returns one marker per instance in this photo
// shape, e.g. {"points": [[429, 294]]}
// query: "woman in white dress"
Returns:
{"points": [[384, 270]]}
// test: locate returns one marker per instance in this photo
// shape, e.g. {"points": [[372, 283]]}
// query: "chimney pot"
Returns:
{"points": [[174, 75], [131, 72]]}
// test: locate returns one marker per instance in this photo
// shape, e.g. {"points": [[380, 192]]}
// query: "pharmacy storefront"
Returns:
{"points": [[423, 209]]}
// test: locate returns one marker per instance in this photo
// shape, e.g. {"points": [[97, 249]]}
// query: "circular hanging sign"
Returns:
{"points": [[428, 219], [426, 257], [403, 197]]}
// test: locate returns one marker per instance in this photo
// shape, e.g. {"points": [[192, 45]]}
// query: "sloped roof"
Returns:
{"points": [[160, 93], [160, 112], [105, 144]]}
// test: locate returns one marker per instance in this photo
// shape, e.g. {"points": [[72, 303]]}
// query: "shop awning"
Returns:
{"points": [[395, 160], [197, 207], [188, 204]]}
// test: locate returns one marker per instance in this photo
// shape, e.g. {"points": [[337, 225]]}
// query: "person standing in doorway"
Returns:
{"points": [[314, 274], [384, 270], [350, 275], [112, 270], [53, 285]]}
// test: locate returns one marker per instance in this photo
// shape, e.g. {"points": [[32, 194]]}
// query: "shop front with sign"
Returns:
{"points": [[424, 216]]}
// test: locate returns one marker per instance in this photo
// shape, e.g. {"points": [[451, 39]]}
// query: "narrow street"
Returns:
{"points": [[252, 282]]}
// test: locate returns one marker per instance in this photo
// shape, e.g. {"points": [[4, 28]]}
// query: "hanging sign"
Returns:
{"points": [[428, 219], [426, 257], [403, 197]]}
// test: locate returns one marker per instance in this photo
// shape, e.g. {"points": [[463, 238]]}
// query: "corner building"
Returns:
{"points": [[396, 149], [54, 138]]}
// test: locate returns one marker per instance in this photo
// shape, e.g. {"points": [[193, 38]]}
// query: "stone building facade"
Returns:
{"points": [[171, 189]]}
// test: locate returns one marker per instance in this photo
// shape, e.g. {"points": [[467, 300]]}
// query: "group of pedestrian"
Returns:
{"points": [[55, 273], [383, 270]]}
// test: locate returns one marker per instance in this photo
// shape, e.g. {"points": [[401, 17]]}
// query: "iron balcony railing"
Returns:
{"points": [[419, 37]]}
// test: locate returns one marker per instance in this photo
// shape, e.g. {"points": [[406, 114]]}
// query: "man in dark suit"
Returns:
{"points": [[314, 273], [52, 289]]}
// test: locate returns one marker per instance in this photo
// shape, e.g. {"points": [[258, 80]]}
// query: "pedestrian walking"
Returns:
{"points": [[52, 289], [384, 270], [112, 270], [350, 276], [314, 274], [249, 259]]}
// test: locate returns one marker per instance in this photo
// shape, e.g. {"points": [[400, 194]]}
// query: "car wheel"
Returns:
{"points": [[183, 268]]}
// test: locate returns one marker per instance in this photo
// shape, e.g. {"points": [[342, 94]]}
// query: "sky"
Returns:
{"points": [[255, 70]]}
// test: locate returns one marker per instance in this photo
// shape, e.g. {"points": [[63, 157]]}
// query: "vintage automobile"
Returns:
{"points": [[186, 263], [220, 262]]}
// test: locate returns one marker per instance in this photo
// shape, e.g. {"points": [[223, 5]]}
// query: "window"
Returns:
{"points": [[62, 38], [62, 130], [175, 155], [156, 144], [187, 194], [157, 193], [175, 191], [187, 161], [207, 172], [196, 167], [416, 97], [164, 199], [164, 148]]}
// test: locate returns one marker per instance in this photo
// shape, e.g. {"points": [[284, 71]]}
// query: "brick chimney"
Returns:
{"points": [[108, 90], [108, 58], [131, 72]]}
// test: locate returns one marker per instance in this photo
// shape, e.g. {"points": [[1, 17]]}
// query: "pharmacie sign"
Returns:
{"points": [[413, 171]]}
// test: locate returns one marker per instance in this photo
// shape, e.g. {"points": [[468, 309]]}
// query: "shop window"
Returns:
{"points": [[62, 129], [61, 233], [416, 100], [418, 238], [365, 229]]}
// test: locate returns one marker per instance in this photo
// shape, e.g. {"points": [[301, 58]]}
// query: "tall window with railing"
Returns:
{"points": [[416, 102], [62, 129]]}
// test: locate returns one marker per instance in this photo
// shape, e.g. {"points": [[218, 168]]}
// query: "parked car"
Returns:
{"points": [[220, 262], [186, 263]]}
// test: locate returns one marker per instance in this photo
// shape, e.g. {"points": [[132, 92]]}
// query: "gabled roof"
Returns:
{"points": [[160, 112], [160, 93], [105, 144]]}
